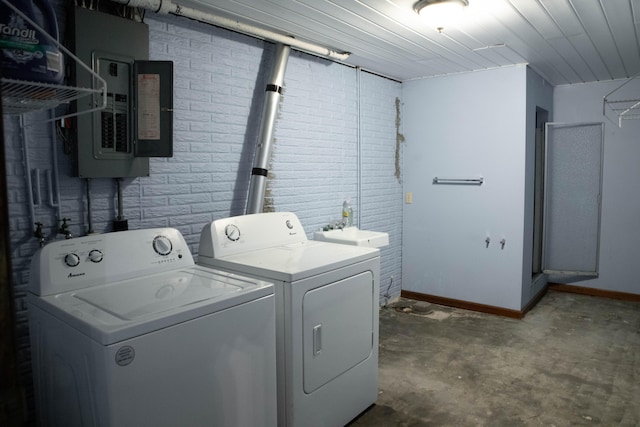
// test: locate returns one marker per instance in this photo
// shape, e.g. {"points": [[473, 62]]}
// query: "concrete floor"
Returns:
{"points": [[573, 360]]}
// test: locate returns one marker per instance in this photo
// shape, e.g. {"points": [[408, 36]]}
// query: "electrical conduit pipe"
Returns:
{"points": [[169, 7]]}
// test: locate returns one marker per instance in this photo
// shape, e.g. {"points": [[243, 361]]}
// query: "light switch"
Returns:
{"points": [[408, 197]]}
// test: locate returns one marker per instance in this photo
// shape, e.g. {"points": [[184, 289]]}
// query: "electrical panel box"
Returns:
{"points": [[116, 142]]}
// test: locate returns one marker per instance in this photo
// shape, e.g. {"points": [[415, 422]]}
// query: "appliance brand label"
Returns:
{"points": [[125, 355], [75, 275], [24, 33]]}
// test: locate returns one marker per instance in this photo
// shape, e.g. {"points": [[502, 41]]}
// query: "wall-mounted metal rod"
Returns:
{"points": [[120, 204], [27, 169], [89, 208], [458, 181], [37, 195], [359, 143], [54, 178]]}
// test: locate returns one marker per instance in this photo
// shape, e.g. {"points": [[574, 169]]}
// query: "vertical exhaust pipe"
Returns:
{"points": [[259, 172]]}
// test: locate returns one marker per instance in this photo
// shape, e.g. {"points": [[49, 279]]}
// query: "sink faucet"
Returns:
{"points": [[334, 225], [38, 234], [64, 228]]}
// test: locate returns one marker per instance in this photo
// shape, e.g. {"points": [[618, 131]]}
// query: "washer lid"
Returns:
{"points": [[117, 311], [135, 299]]}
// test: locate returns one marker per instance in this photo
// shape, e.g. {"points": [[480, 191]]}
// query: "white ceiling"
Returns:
{"points": [[566, 41]]}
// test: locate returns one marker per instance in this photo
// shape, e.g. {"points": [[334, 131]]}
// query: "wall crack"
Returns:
{"points": [[399, 141]]}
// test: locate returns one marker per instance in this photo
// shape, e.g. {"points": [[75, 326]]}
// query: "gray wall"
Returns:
{"points": [[620, 230], [480, 124]]}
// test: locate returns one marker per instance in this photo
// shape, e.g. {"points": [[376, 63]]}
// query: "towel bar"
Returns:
{"points": [[458, 181]]}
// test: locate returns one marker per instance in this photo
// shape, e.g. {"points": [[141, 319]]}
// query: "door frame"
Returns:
{"points": [[576, 275]]}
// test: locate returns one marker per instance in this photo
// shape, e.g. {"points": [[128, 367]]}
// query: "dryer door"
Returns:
{"points": [[337, 328]]}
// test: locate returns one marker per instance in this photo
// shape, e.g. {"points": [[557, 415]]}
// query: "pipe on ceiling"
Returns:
{"points": [[169, 7], [257, 185], [259, 172]]}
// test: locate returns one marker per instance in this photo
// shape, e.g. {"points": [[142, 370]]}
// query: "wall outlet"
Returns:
{"points": [[408, 197]]}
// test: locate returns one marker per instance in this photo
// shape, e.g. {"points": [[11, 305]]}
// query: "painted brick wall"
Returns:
{"points": [[326, 109], [333, 118], [381, 192]]}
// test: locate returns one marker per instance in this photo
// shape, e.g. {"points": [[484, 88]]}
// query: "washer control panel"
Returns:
{"points": [[162, 245], [83, 262], [72, 259], [95, 255]]}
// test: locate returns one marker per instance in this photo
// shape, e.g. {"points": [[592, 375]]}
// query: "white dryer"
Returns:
{"points": [[127, 331], [326, 312]]}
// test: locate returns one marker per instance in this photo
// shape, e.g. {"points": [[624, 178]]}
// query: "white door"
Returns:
{"points": [[572, 199], [337, 328]]}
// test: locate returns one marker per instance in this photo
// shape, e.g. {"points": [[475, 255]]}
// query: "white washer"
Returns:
{"points": [[127, 331], [326, 312]]}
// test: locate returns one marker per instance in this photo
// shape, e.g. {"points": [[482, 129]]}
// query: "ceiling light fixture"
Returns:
{"points": [[440, 13]]}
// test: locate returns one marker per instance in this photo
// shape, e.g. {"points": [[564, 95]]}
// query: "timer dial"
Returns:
{"points": [[95, 255], [72, 260], [232, 232], [162, 245]]}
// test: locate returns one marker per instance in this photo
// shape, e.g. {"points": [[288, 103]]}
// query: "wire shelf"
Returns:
{"points": [[21, 96]]}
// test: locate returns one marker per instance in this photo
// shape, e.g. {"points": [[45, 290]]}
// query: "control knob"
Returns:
{"points": [[95, 256], [72, 260], [232, 232], [162, 245]]}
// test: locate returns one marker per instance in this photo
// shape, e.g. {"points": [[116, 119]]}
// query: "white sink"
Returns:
{"points": [[353, 236]]}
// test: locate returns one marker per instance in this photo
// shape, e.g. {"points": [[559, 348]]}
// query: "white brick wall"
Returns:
{"points": [[315, 163], [219, 90], [382, 195]]}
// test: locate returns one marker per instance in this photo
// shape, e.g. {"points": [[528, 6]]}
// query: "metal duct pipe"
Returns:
{"points": [[168, 7], [261, 161]]}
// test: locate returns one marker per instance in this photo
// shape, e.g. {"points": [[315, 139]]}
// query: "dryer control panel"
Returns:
{"points": [[244, 233], [88, 261]]}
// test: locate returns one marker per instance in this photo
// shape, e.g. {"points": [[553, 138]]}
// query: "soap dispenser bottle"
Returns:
{"points": [[347, 213]]}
